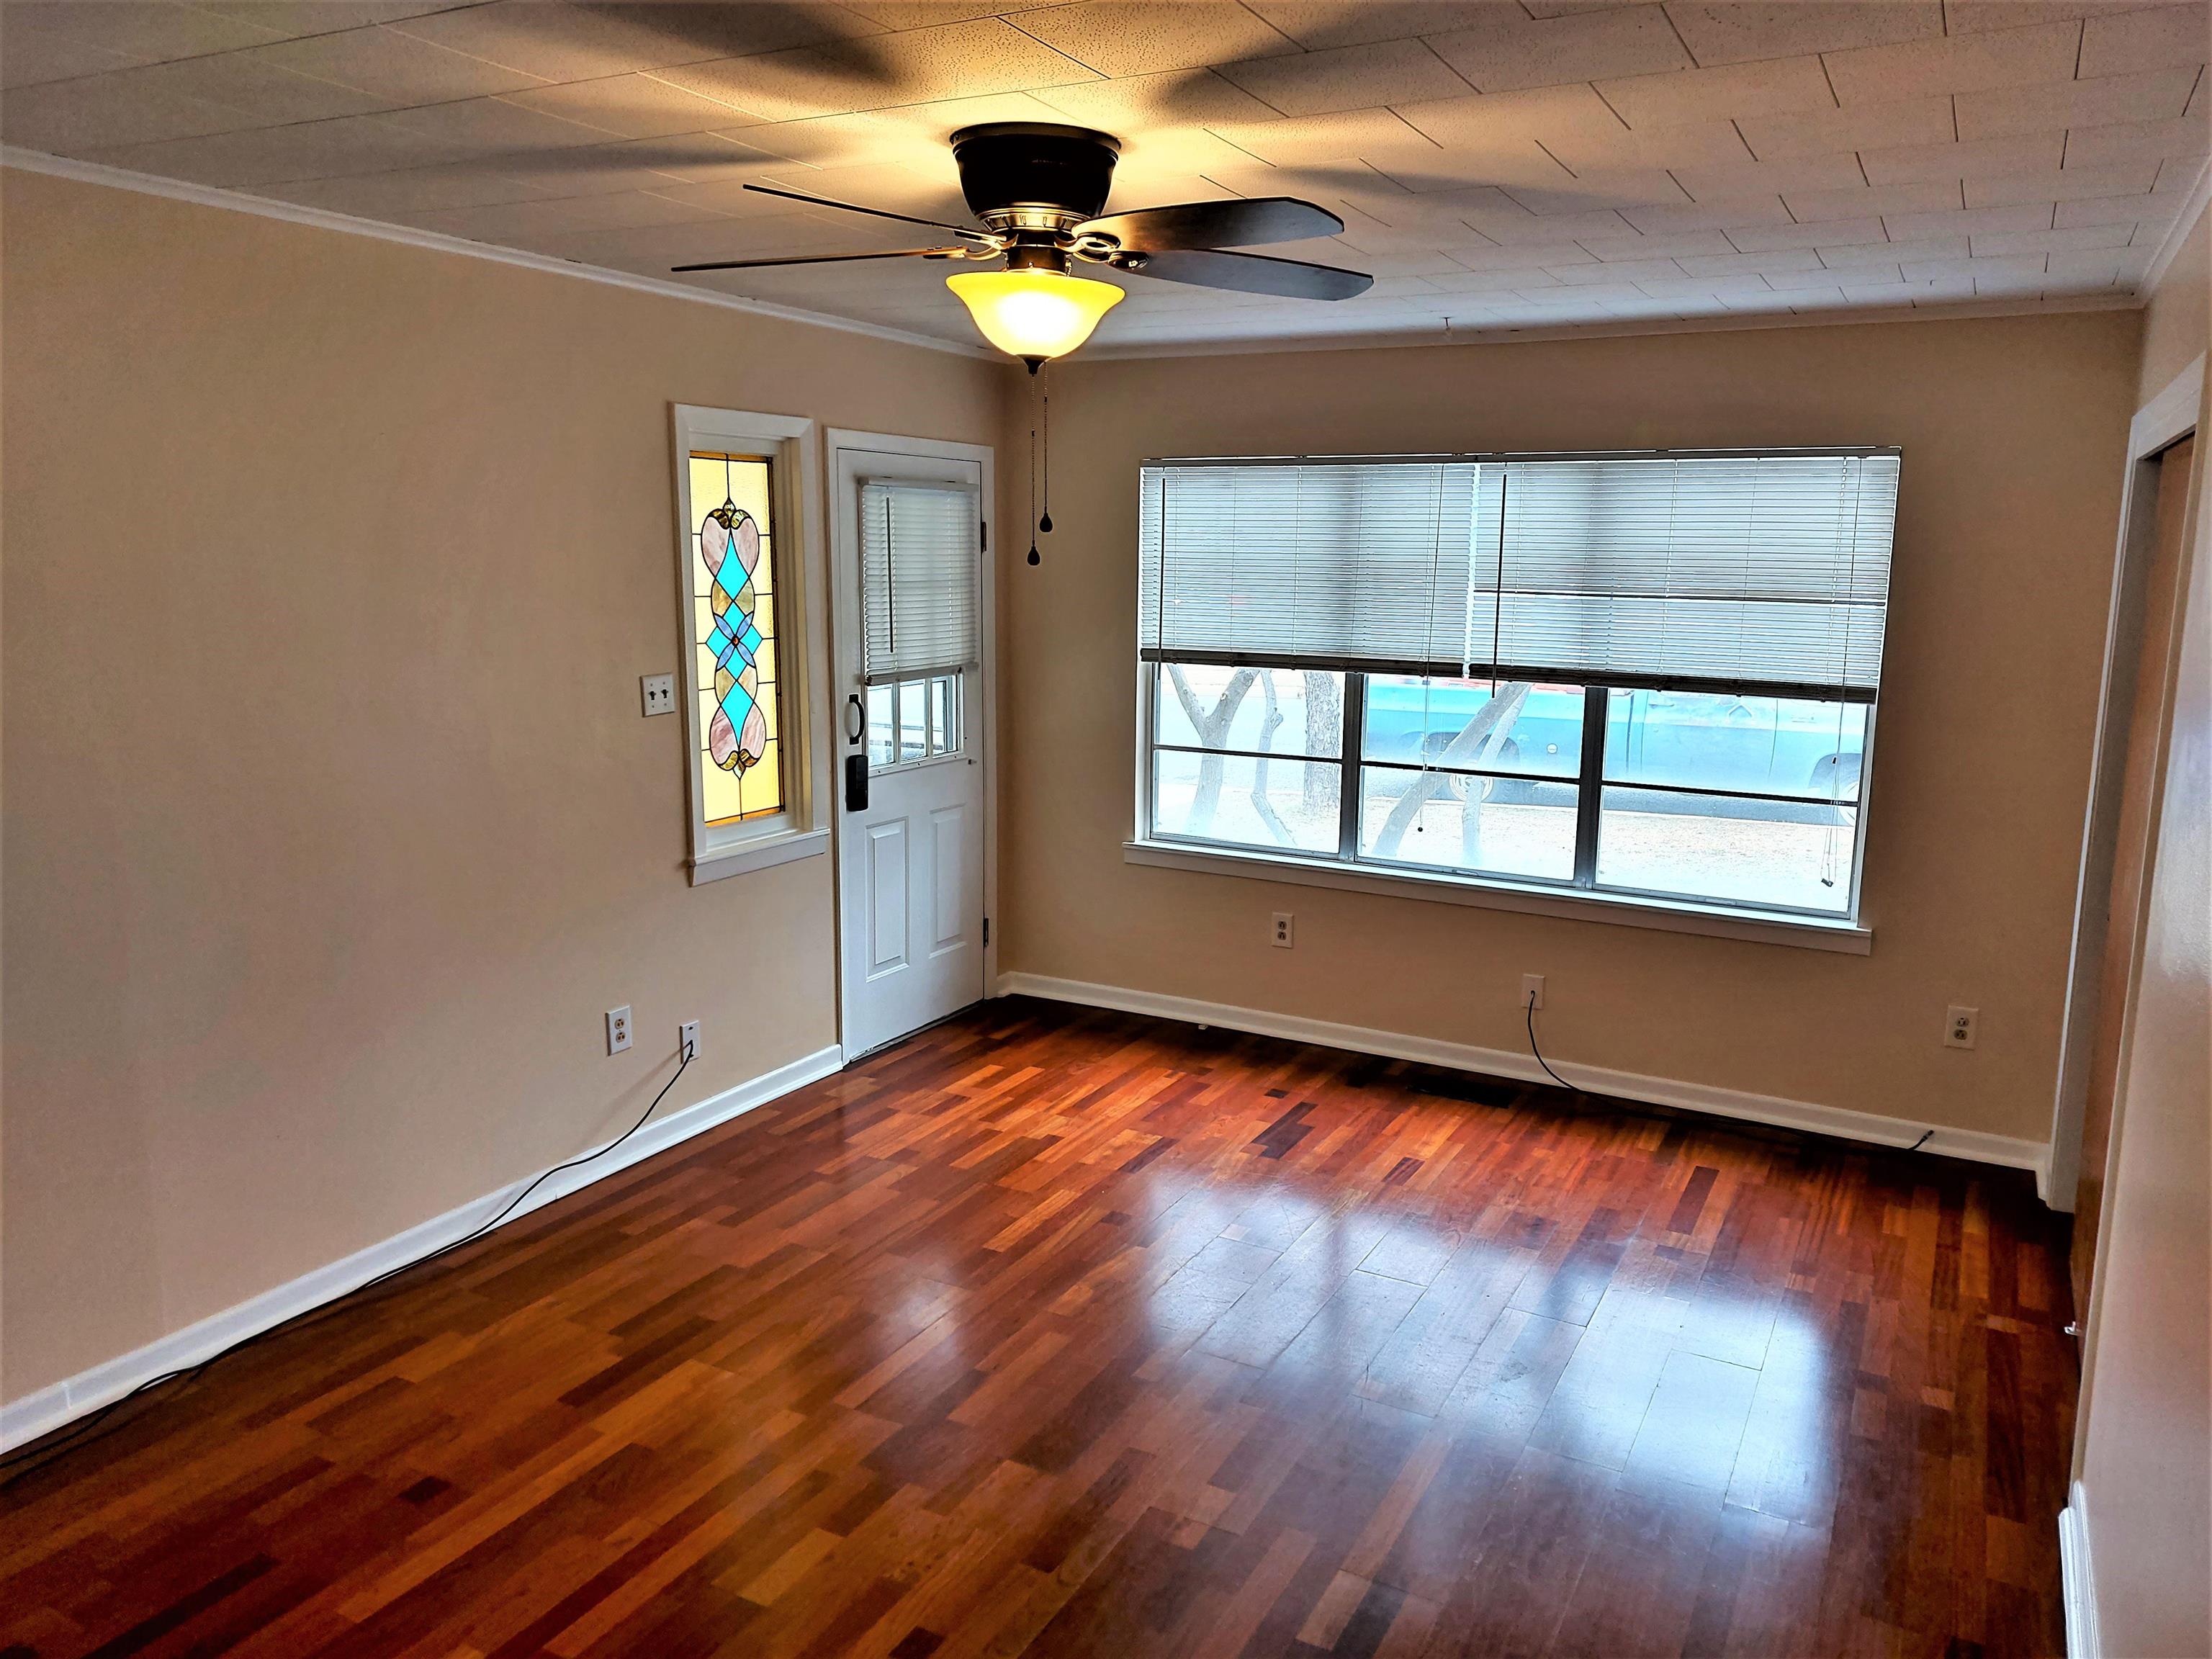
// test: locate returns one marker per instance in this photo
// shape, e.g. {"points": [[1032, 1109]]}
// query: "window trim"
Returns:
{"points": [[1848, 933], [801, 829]]}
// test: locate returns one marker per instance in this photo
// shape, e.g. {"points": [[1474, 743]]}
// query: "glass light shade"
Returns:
{"points": [[1033, 314]]}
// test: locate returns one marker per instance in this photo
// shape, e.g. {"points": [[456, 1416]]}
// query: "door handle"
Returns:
{"points": [[856, 718], [856, 782]]}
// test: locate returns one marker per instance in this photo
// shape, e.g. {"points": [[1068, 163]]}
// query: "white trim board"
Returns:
{"points": [[266, 207], [1705, 1097], [2078, 1583], [58, 1403], [2192, 207]]}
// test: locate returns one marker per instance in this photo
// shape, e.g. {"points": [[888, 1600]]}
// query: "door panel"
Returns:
{"points": [[887, 903], [948, 835], [911, 863]]}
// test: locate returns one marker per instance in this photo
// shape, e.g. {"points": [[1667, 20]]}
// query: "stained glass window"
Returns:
{"points": [[733, 629]]}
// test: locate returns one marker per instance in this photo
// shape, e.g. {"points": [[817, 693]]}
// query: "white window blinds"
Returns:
{"points": [[1740, 571], [918, 548]]}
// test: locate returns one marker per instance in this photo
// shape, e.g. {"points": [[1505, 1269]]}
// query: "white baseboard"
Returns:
{"points": [[1501, 1062], [2077, 1586], [61, 1402]]}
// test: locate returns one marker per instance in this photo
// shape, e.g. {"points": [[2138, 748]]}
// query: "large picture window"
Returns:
{"points": [[1650, 677]]}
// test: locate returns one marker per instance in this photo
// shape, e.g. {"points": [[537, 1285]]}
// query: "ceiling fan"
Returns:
{"points": [[1039, 191]]}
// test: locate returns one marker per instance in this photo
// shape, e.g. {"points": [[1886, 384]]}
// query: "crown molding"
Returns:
{"points": [[1617, 329], [2192, 209], [179, 190]]}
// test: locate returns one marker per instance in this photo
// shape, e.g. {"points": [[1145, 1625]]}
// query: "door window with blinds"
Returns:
{"points": [[919, 552], [1646, 676]]}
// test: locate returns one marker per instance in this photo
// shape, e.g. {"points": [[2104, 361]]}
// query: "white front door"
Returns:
{"points": [[911, 860]]}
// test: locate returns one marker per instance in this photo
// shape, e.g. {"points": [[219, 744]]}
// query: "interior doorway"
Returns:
{"points": [[2122, 829]]}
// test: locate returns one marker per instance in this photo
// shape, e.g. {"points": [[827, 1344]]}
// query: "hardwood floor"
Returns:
{"points": [[1063, 1332]]}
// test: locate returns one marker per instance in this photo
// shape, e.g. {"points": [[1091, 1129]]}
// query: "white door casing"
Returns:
{"points": [[916, 868]]}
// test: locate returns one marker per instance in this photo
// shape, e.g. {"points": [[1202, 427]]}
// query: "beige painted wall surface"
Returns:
{"points": [[2144, 1448], [333, 827], [2013, 432], [2175, 324]]}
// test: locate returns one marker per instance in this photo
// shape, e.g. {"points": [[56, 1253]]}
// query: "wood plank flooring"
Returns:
{"points": [[1059, 1333]]}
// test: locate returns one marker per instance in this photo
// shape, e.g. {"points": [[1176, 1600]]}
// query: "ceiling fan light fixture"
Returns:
{"points": [[1033, 314]]}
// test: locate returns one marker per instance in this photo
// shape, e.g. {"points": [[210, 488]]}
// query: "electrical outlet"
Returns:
{"points": [[687, 1040], [1958, 1026], [1283, 937], [617, 1028], [658, 693], [1532, 991]]}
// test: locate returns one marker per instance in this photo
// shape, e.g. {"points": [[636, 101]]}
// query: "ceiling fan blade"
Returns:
{"points": [[829, 259], [1253, 273], [968, 231], [1237, 222]]}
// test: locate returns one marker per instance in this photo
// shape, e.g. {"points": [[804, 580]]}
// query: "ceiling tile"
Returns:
{"points": [[1984, 158], [287, 19], [561, 42], [493, 123], [1318, 24], [1514, 167], [2066, 185], [1973, 62], [1787, 86], [144, 31], [2014, 220], [312, 150], [1813, 206], [914, 135], [635, 105], [2153, 95], [29, 54], [1695, 243], [883, 71], [1836, 171], [263, 95], [1827, 233], [1690, 143], [417, 189], [1853, 256], [2137, 211], [642, 163], [1377, 136], [68, 117], [1504, 52], [1347, 77], [2053, 241], [395, 67], [2162, 37], [1718, 32], [532, 221], [1854, 126], [1143, 37], [1172, 98], [1980, 16], [1717, 215], [2141, 141], [1770, 263]]}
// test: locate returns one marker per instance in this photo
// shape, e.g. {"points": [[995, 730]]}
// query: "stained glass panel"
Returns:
{"points": [[732, 568]]}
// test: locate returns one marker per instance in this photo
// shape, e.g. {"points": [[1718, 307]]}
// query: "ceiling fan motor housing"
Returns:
{"points": [[1032, 175]]}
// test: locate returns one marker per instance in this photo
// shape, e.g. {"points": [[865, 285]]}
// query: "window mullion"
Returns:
{"points": [[1592, 780], [1353, 744]]}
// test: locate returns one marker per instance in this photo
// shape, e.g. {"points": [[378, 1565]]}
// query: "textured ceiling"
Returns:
{"points": [[1498, 163]]}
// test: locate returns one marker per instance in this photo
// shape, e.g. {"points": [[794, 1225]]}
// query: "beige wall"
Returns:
{"points": [[2174, 325], [2143, 1449], [2012, 432], [332, 824]]}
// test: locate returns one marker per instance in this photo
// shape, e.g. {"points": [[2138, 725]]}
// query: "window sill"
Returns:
{"points": [[1805, 933], [780, 848]]}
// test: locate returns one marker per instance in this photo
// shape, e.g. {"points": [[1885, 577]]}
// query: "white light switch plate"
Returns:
{"points": [[658, 693]]}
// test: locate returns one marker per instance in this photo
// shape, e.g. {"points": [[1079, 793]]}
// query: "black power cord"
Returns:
{"points": [[1538, 1053], [36, 1457]]}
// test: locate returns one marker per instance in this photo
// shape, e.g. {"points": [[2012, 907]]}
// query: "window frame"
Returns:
{"points": [[1581, 896], [800, 829]]}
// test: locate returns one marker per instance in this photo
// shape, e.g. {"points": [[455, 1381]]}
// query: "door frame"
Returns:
{"points": [[2158, 425], [982, 715]]}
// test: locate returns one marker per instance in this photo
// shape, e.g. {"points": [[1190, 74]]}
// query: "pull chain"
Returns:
{"points": [[1033, 464], [1044, 386]]}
